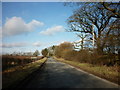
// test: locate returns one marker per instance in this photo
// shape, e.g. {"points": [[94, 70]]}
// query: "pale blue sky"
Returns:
{"points": [[36, 25]]}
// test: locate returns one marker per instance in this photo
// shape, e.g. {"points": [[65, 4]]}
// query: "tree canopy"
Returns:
{"points": [[44, 52], [101, 16]]}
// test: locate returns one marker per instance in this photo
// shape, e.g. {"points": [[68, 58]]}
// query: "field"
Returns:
{"points": [[17, 68], [12, 61]]}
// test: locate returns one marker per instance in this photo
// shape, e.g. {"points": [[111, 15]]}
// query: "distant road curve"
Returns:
{"points": [[56, 74]]}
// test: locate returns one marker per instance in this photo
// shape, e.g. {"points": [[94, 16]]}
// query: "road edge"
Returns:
{"points": [[79, 69]]}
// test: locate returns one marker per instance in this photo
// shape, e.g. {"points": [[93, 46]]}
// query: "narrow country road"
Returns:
{"points": [[55, 74]]}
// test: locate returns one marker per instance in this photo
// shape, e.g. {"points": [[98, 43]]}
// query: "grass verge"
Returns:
{"points": [[16, 74], [108, 73]]}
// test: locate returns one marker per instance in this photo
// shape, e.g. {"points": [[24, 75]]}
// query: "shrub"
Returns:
{"points": [[11, 61], [69, 54]]}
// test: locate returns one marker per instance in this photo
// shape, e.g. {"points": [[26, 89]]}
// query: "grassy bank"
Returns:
{"points": [[16, 74], [109, 73]]}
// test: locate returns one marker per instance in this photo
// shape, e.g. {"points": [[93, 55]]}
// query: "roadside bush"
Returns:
{"points": [[44, 52], [107, 59], [66, 51], [62, 49], [11, 61], [69, 54], [58, 52], [83, 56]]}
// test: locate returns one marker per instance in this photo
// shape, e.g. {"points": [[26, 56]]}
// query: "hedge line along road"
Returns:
{"points": [[55, 74]]}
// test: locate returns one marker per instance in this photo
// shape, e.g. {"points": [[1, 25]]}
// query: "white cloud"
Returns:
{"points": [[16, 25], [52, 30], [38, 44], [12, 45], [34, 23]]}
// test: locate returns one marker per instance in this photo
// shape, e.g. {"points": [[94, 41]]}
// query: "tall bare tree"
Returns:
{"points": [[81, 43], [91, 14], [36, 53], [113, 7]]}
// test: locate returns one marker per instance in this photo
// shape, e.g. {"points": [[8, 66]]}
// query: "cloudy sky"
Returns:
{"points": [[33, 26]]}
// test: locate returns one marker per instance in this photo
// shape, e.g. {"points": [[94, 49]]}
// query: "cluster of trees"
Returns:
{"points": [[48, 51], [67, 51], [44, 52], [63, 49], [97, 25], [36, 53], [104, 17]]}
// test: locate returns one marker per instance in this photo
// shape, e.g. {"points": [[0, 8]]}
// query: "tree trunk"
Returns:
{"points": [[99, 49]]}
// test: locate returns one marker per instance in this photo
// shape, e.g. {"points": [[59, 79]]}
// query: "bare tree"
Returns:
{"points": [[88, 15], [36, 53], [81, 42], [112, 41], [63, 47], [113, 7]]}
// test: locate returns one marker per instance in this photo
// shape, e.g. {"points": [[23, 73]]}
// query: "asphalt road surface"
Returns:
{"points": [[55, 74]]}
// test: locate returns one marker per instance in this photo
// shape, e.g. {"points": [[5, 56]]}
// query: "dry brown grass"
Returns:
{"points": [[11, 61], [110, 73], [16, 74]]}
